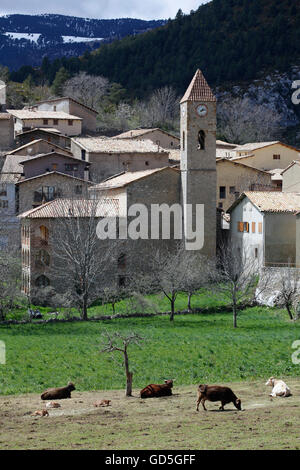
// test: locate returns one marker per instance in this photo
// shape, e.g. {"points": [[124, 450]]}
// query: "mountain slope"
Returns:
{"points": [[26, 39], [229, 40]]}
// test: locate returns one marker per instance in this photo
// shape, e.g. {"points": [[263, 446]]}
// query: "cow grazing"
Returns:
{"points": [[154, 390], [102, 403], [217, 393], [58, 393], [40, 413], [279, 388]]}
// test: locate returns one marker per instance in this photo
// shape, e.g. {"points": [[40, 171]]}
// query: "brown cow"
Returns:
{"points": [[58, 393], [154, 390], [217, 393], [40, 413]]}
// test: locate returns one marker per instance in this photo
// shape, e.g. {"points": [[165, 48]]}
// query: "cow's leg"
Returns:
{"points": [[198, 402], [223, 403], [203, 404]]}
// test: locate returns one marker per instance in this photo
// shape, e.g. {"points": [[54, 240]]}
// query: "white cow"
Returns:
{"points": [[280, 388]]}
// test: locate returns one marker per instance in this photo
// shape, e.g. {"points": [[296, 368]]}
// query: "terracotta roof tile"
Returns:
{"points": [[198, 90]]}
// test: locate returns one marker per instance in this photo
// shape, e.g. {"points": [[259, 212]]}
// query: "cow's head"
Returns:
{"points": [[270, 381], [238, 404], [169, 382], [71, 386]]}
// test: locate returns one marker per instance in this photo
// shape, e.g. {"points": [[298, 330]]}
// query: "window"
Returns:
{"points": [[71, 167], [222, 192], [121, 281], [232, 189], [70, 122], [44, 234], [54, 109], [42, 258], [276, 157], [171, 143], [260, 227], [4, 204], [78, 189], [42, 281], [147, 163], [83, 154], [183, 141], [54, 166], [45, 122], [243, 227], [246, 227], [253, 227], [3, 189], [55, 122], [48, 193], [220, 205], [122, 261], [201, 140], [256, 252]]}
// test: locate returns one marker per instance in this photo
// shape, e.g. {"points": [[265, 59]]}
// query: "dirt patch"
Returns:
{"points": [[132, 423]]}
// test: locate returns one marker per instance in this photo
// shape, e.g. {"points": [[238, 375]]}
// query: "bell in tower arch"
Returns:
{"points": [[201, 140]]}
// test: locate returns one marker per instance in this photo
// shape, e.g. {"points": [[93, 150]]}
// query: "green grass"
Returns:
{"points": [[197, 348]]}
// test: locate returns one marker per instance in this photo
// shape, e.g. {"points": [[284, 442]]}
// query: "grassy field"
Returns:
{"points": [[158, 423], [197, 348]]}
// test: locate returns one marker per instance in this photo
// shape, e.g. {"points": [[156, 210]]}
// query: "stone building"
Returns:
{"points": [[6, 131], [234, 178], [266, 155], [148, 187], [26, 119], [37, 190], [157, 136], [71, 106], [109, 157], [263, 226], [50, 135], [38, 147]]}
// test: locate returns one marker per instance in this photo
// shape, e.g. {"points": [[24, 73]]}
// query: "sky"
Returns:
{"points": [[143, 9]]}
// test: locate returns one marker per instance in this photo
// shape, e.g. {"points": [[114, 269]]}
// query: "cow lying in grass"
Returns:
{"points": [[58, 393], [154, 390], [217, 393], [279, 388]]}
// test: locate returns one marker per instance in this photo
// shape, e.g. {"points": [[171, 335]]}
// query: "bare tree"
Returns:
{"points": [[235, 278], [82, 263], [10, 279], [197, 275], [167, 271], [240, 120], [162, 108], [88, 89], [287, 286], [118, 342]]}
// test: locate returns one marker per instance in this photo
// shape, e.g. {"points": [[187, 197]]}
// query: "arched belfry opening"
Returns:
{"points": [[201, 140]]}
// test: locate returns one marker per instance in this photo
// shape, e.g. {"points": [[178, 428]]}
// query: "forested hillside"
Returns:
{"points": [[230, 40]]}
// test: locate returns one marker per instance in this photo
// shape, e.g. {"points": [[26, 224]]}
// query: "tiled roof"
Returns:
{"points": [[5, 116], [48, 130], [27, 114], [63, 208], [67, 98], [198, 90], [50, 154], [12, 164], [138, 132], [236, 163], [34, 142], [54, 173], [276, 174], [271, 201], [294, 162], [100, 145], [254, 146], [128, 177]]}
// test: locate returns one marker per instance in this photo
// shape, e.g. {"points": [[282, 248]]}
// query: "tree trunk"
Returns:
{"points": [[172, 309], [289, 311], [84, 313], [234, 316], [128, 375], [189, 302]]}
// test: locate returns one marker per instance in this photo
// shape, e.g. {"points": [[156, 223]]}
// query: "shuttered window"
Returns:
{"points": [[253, 227]]}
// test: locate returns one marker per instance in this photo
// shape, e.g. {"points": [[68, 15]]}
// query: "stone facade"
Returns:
{"points": [[6, 131], [56, 138]]}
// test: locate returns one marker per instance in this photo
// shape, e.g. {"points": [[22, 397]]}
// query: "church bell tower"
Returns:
{"points": [[198, 161]]}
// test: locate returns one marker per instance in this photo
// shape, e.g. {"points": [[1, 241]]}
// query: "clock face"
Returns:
{"points": [[202, 110]]}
